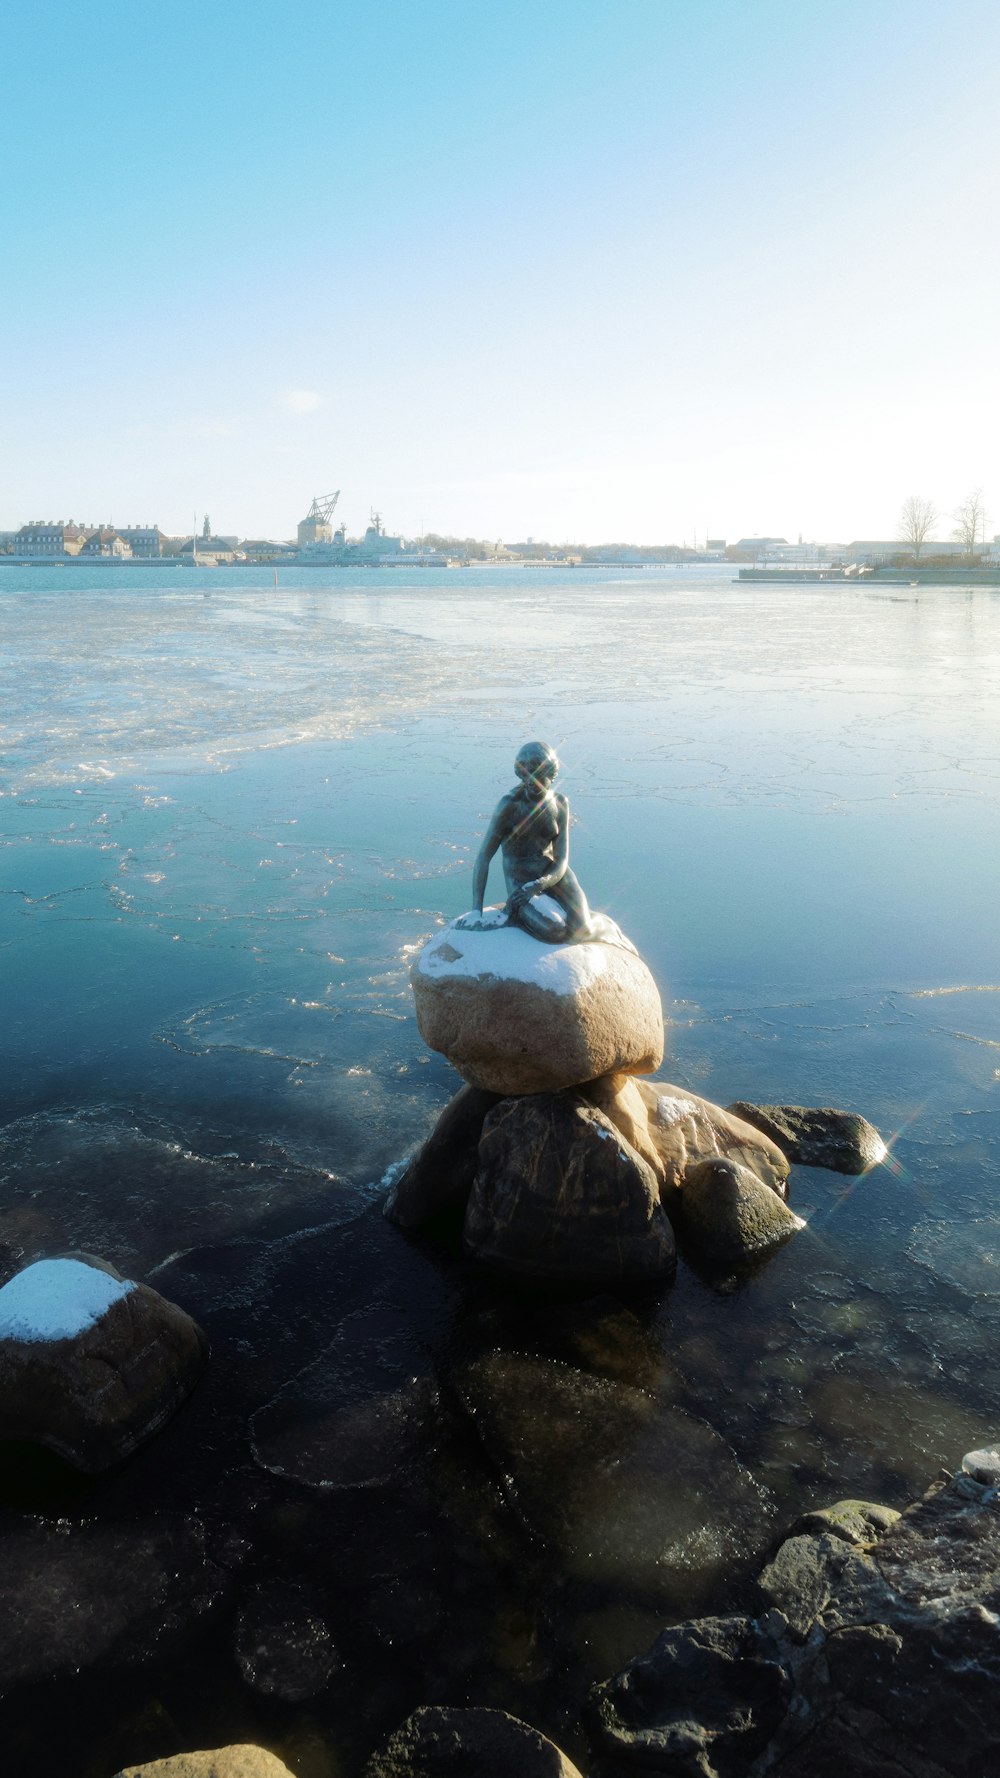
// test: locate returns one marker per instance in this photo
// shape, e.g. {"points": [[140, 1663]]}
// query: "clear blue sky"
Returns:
{"points": [[576, 268]]}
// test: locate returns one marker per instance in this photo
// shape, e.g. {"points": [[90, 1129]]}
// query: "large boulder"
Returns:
{"points": [[442, 1743], [91, 1363], [560, 1195], [817, 1136], [730, 1216], [515, 1015]]}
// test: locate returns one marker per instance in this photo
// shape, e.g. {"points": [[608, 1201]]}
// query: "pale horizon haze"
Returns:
{"points": [[583, 271]]}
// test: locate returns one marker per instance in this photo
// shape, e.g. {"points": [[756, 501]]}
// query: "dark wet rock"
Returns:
{"points": [[803, 1577], [440, 1743], [91, 1364], [704, 1701], [283, 1645], [892, 1649], [730, 1216], [559, 1195], [87, 1595], [817, 1136], [640, 1496], [855, 1521], [439, 1177], [241, 1760]]}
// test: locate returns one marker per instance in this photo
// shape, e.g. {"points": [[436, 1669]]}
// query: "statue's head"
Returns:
{"points": [[537, 765]]}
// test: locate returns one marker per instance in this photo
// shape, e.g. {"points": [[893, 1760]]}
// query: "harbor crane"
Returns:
{"points": [[322, 507], [316, 528]]}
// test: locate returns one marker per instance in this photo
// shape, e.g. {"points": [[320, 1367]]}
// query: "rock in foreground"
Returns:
{"points": [[91, 1364], [876, 1657], [242, 1760], [560, 1195], [439, 1743], [514, 1015], [817, 1136]]}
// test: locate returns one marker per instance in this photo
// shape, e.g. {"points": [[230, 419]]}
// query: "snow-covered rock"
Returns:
{"points": [[515, 1015], [91, 1363]]}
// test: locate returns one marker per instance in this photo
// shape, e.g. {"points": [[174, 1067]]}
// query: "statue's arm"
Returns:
{"points": [[491, 845]]}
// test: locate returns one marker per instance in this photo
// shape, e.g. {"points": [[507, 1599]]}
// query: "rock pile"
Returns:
{"points": [[563, 1163]]}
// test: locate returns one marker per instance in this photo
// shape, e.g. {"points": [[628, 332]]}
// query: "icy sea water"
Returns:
{"points": [[229, 812]]}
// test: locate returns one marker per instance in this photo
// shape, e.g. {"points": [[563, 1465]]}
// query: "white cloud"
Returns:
{"points": [[301, 401]]}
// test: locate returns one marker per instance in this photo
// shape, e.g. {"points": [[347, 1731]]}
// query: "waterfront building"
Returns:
{"points": [[872, 552], [145, 541], [105, 544], [42, 537]]}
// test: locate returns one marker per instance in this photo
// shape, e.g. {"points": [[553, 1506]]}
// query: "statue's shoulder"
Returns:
{"points": [[507, 808]]}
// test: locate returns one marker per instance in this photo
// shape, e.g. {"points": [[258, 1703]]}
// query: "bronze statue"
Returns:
{"points": [[530, 826]]}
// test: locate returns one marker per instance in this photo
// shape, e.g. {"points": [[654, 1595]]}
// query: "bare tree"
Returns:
{"points": [[916, 520], [970, 520]]}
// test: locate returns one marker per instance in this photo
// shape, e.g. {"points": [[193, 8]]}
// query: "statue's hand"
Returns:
{"points": [[520, 897]]}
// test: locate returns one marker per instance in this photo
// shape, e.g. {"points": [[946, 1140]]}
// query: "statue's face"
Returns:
{"points": [[536, 765]]}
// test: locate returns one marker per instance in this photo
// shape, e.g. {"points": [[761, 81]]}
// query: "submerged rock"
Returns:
{"points": [[85, 1595], [627, 1491], [283, 1646], [241, 1760], [91, 1364], [440, 1743], [515, 1015], [731, 1217], [817, 1136], [560, 1195]]}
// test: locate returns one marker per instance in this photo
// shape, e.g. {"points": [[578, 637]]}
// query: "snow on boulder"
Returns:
{"points": [[515, 1015], [91, 1363]]}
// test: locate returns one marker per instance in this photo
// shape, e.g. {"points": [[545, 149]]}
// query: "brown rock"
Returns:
{"points": [[91, 1364], [242, 1760], [439, 1743], [440, 1175], [559, 1194], [818, 1136], [514, 1015], [684, 1128], [621, 1099], [730, 1215]]}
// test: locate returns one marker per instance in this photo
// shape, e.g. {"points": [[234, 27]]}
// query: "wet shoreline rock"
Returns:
{"points": [[876, 1651], [819, 1136], [91, 1363]]}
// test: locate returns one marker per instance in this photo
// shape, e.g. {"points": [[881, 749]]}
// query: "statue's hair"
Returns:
{"points": [[534, 754]]}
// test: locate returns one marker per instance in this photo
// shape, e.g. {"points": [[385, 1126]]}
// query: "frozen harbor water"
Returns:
{"points": [[229, 814]]}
